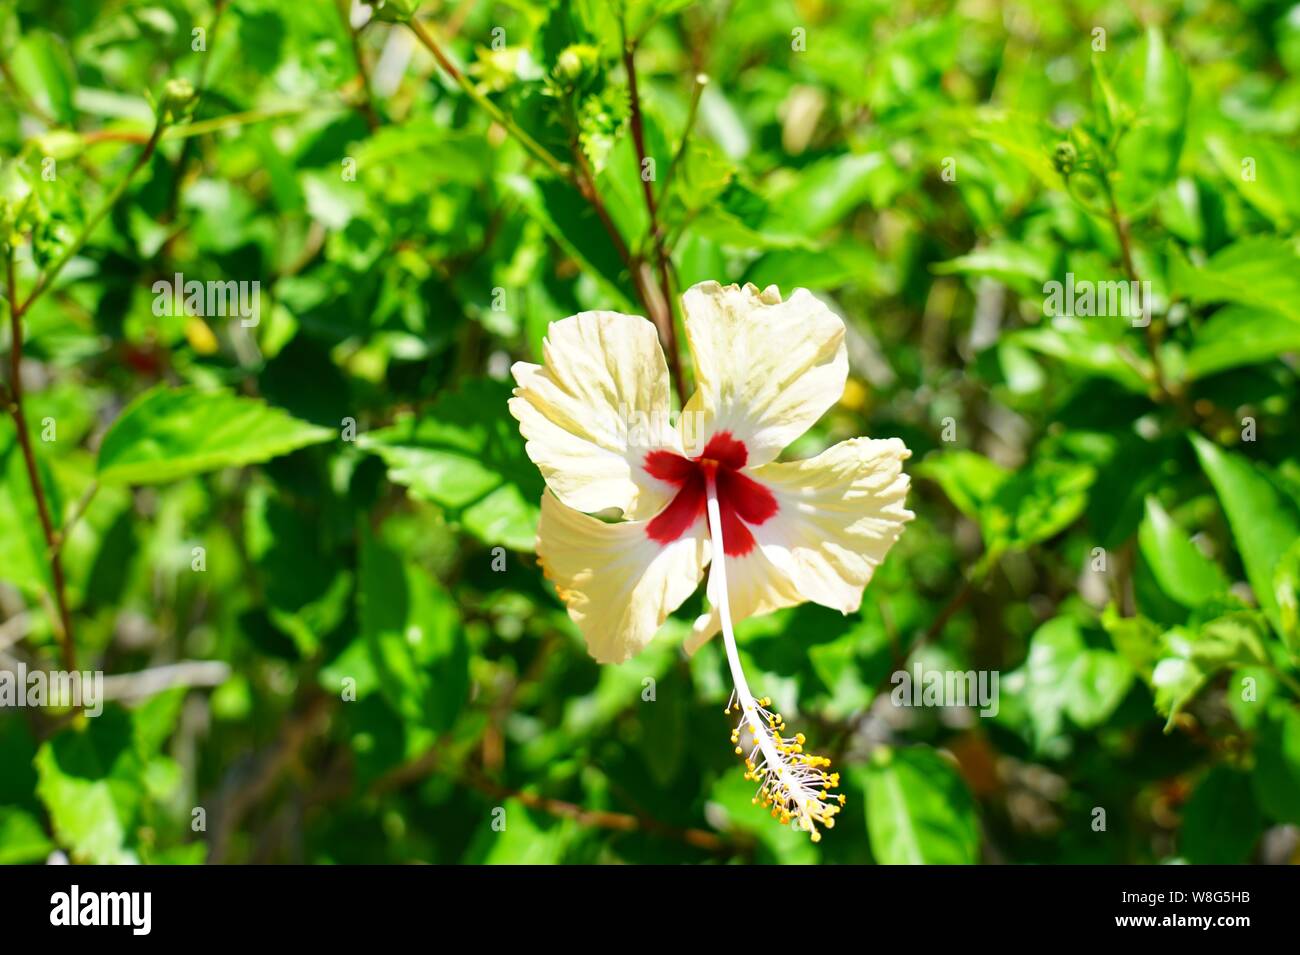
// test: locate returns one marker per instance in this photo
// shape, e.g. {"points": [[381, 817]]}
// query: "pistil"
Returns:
{"points": [[792, 783]]}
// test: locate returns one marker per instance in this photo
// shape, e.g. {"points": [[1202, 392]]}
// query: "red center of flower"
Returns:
{"points": [[741, 500]]}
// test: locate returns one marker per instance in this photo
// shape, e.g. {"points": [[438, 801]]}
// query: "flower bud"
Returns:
{"points": [[393, 11], [576, 65], [60, 144], [177, 98], [1064, 157]]}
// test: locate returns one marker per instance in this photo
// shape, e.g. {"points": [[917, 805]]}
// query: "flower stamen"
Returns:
{"points": [[792, 783]]}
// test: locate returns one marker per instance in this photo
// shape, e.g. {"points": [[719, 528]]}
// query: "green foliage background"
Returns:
{"points": [[1106, 515]]}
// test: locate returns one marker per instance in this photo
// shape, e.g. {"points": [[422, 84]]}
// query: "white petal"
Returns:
{"points": [[754, 587], [765, 370], [618, 585], [593, 410], [838, 515], [840, 512]]}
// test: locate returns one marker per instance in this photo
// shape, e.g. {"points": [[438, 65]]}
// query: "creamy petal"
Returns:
{"points": [[765, 370], [619, 586], [595, 407], [838, 515], [754, 587]]}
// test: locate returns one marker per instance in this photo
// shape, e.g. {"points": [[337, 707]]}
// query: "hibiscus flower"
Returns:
{"points": [[708, 493]]}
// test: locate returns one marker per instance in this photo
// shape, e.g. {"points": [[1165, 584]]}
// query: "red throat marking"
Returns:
{"points": [[741, 500]]}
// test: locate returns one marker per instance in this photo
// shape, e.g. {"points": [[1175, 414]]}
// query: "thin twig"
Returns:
{"points": [[52, 539], [428, 763], [645, 293], [365, 104], [603, 819], [580, 176], [955, 603], [83, 502], [665, 317], [491, 108], [247, 783], [172, 206], [697, 92], [146, 683], [1121, 227], [48, 276], [14, 629], [204, 127]]}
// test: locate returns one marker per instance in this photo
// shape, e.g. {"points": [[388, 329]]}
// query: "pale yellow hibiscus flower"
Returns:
{"points": [[707, 491]]}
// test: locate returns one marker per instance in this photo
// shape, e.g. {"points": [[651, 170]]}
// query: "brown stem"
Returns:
{"points": [[1122, 234], [53, 540], [600, 818], [665, 319], [172, 207], [48, 276], [114, 136], [366, 104], [586, 184], [957, 601], [79, 511], [580, 176], [510, 126], [428, 762]]}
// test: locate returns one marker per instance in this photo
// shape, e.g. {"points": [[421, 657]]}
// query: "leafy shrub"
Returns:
{"points": [[295, 530]]}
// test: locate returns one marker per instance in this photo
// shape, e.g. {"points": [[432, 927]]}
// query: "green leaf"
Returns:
{"points": [[417, 644], [1261, 271], [277, 534], [517, 835], [968, 479], [642, 14], [1156, 83], [1249, 690], [170, 433], [1286, 592], [1264, 521], [1241, 335], [1081, 348], [1021, 266], [22, 544], [829, 267], [1276, 777], [1275, 167], [1182, 571], [1137, 639], [1023, 137], [1036, 502], [571, 222], [89, 782], [919, 811], [1063, 676], [22, 840], [465, 454], [46, 71], [730, 800], [1221, 822], [830, 189], [1191, 658]]}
